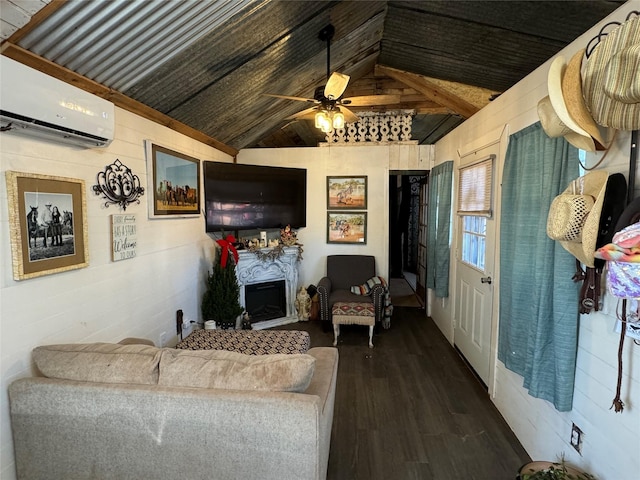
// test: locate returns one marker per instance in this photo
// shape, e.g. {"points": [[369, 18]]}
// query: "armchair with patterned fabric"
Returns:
{"points": [[344, 272]]}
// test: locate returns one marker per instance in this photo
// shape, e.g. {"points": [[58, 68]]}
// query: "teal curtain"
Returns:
{"points": [[438, 226], [538, 333]]}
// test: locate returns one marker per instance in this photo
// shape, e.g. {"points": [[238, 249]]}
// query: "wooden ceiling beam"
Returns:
{"points": [[37, 62], [431, 90]]}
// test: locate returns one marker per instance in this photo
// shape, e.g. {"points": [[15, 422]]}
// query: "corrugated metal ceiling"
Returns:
{"points": [[207, 64]]}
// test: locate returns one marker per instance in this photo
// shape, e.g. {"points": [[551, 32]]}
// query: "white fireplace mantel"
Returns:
{"points": [[251, 270]]}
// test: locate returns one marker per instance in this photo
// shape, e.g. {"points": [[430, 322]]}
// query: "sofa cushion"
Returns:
{"points": [[236, 371], [99, 362]]}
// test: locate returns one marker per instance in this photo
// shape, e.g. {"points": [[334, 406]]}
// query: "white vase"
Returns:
{"points": [[210, 325]]}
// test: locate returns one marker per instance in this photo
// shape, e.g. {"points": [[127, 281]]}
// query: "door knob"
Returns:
{"points": [[486, 280]]}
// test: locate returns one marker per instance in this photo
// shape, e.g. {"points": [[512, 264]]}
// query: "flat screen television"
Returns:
{"points": [[247, 197]]}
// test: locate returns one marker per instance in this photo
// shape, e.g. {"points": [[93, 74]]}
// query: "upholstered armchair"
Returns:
{"points": [[343, 272]]}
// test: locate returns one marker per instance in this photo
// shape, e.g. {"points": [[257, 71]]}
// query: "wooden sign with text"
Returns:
{"points": [[123, 229]]}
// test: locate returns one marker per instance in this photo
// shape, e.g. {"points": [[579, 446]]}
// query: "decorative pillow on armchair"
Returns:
{"points": [[365, 288]]}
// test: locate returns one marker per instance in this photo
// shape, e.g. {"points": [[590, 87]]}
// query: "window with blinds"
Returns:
{"points": [[475, 187]]}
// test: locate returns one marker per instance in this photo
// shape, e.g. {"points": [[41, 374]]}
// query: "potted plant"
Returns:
{"points": [[220, 299], [539, 470]]}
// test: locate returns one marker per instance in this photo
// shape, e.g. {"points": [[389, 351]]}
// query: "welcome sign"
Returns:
{"points": [[123, 229]]}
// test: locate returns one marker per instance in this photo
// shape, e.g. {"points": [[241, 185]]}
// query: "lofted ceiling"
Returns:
{"points": [[203, 67]]}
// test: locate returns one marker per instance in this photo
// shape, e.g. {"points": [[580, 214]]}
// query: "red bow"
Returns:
{"points": [[227, 244]]}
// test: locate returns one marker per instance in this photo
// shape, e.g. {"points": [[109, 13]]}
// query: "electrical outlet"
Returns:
{"points": [[186, 325], [576, 438], [162, 339]]}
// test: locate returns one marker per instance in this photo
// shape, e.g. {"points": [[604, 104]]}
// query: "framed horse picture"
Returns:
{"points": [[347, 227], [347, 192], [174, 183], [48, 226]]}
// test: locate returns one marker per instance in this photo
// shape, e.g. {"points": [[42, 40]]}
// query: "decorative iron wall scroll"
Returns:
{"points": [[118, 185]]}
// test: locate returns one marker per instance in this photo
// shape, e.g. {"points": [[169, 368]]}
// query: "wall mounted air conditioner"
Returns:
{"points": [[36, 104]]}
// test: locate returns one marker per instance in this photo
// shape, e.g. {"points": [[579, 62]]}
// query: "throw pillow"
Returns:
{"points": [[99, 362], [236, 371]]}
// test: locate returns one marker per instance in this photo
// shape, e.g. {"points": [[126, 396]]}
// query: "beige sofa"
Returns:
{"points": [[108, 411]]}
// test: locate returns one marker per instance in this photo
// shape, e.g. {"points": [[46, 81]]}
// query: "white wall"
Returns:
{"points": [[610, 439], [373, 161], [107, 301]]}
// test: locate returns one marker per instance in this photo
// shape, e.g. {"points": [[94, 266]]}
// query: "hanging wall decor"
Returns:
{"points": [[48, 224], [124, 237], [118, 185], [347, 227], [347, 192], [174, 182]]}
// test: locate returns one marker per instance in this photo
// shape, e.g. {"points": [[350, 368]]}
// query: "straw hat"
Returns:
{"points": [[554, 84], [574, 101], [554, 127], [611, 78], [574, 215]]}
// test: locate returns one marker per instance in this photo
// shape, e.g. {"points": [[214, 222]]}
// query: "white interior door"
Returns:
{"points": [[474, 283]]}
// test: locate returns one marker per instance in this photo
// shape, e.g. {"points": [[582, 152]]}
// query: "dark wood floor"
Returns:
{"points": [[411, 409]]}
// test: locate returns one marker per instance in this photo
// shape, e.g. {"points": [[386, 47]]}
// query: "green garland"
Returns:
{"points": [[273, 253]]}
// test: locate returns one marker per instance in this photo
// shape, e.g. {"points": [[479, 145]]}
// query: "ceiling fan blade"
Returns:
{"points": [[287, 97], [349, 116], [369, 100], [306, 114], [336, 85]]}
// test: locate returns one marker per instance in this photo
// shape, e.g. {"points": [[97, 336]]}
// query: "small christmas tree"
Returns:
{"points": [[220, 299]]}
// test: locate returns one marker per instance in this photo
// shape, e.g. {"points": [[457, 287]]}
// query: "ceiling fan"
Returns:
{"points": [[330, 109]]}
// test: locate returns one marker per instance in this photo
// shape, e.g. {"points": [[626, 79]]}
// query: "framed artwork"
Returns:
{"points": [[347, 192], [347, 227], [174, 183], [48, 224]]}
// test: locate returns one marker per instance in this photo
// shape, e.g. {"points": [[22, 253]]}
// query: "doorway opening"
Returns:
{"points": [[406, 207]]}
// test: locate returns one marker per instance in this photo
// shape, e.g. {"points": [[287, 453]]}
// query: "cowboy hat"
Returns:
{"points": [[554, 127], [630, 215], [615, 199], [611, 78], [554, 85], [574, 215], [574, 101]]}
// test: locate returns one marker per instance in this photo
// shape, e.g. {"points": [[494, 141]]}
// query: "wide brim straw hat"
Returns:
{"points": [[574, 101], [554, 85], [574, 215], [611, 78], [554, 127]]}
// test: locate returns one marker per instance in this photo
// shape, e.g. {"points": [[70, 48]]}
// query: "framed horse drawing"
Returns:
{"points": [[347, 227], [48, 226], [174, 183], [347, 192]]}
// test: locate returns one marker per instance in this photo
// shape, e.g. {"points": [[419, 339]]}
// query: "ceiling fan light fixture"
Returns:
{"points": [[327, 124], [322, 118], [336, 85], [338, 119]]}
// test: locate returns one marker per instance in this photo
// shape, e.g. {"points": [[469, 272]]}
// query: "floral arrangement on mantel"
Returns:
{"points": [[288, 238]]}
